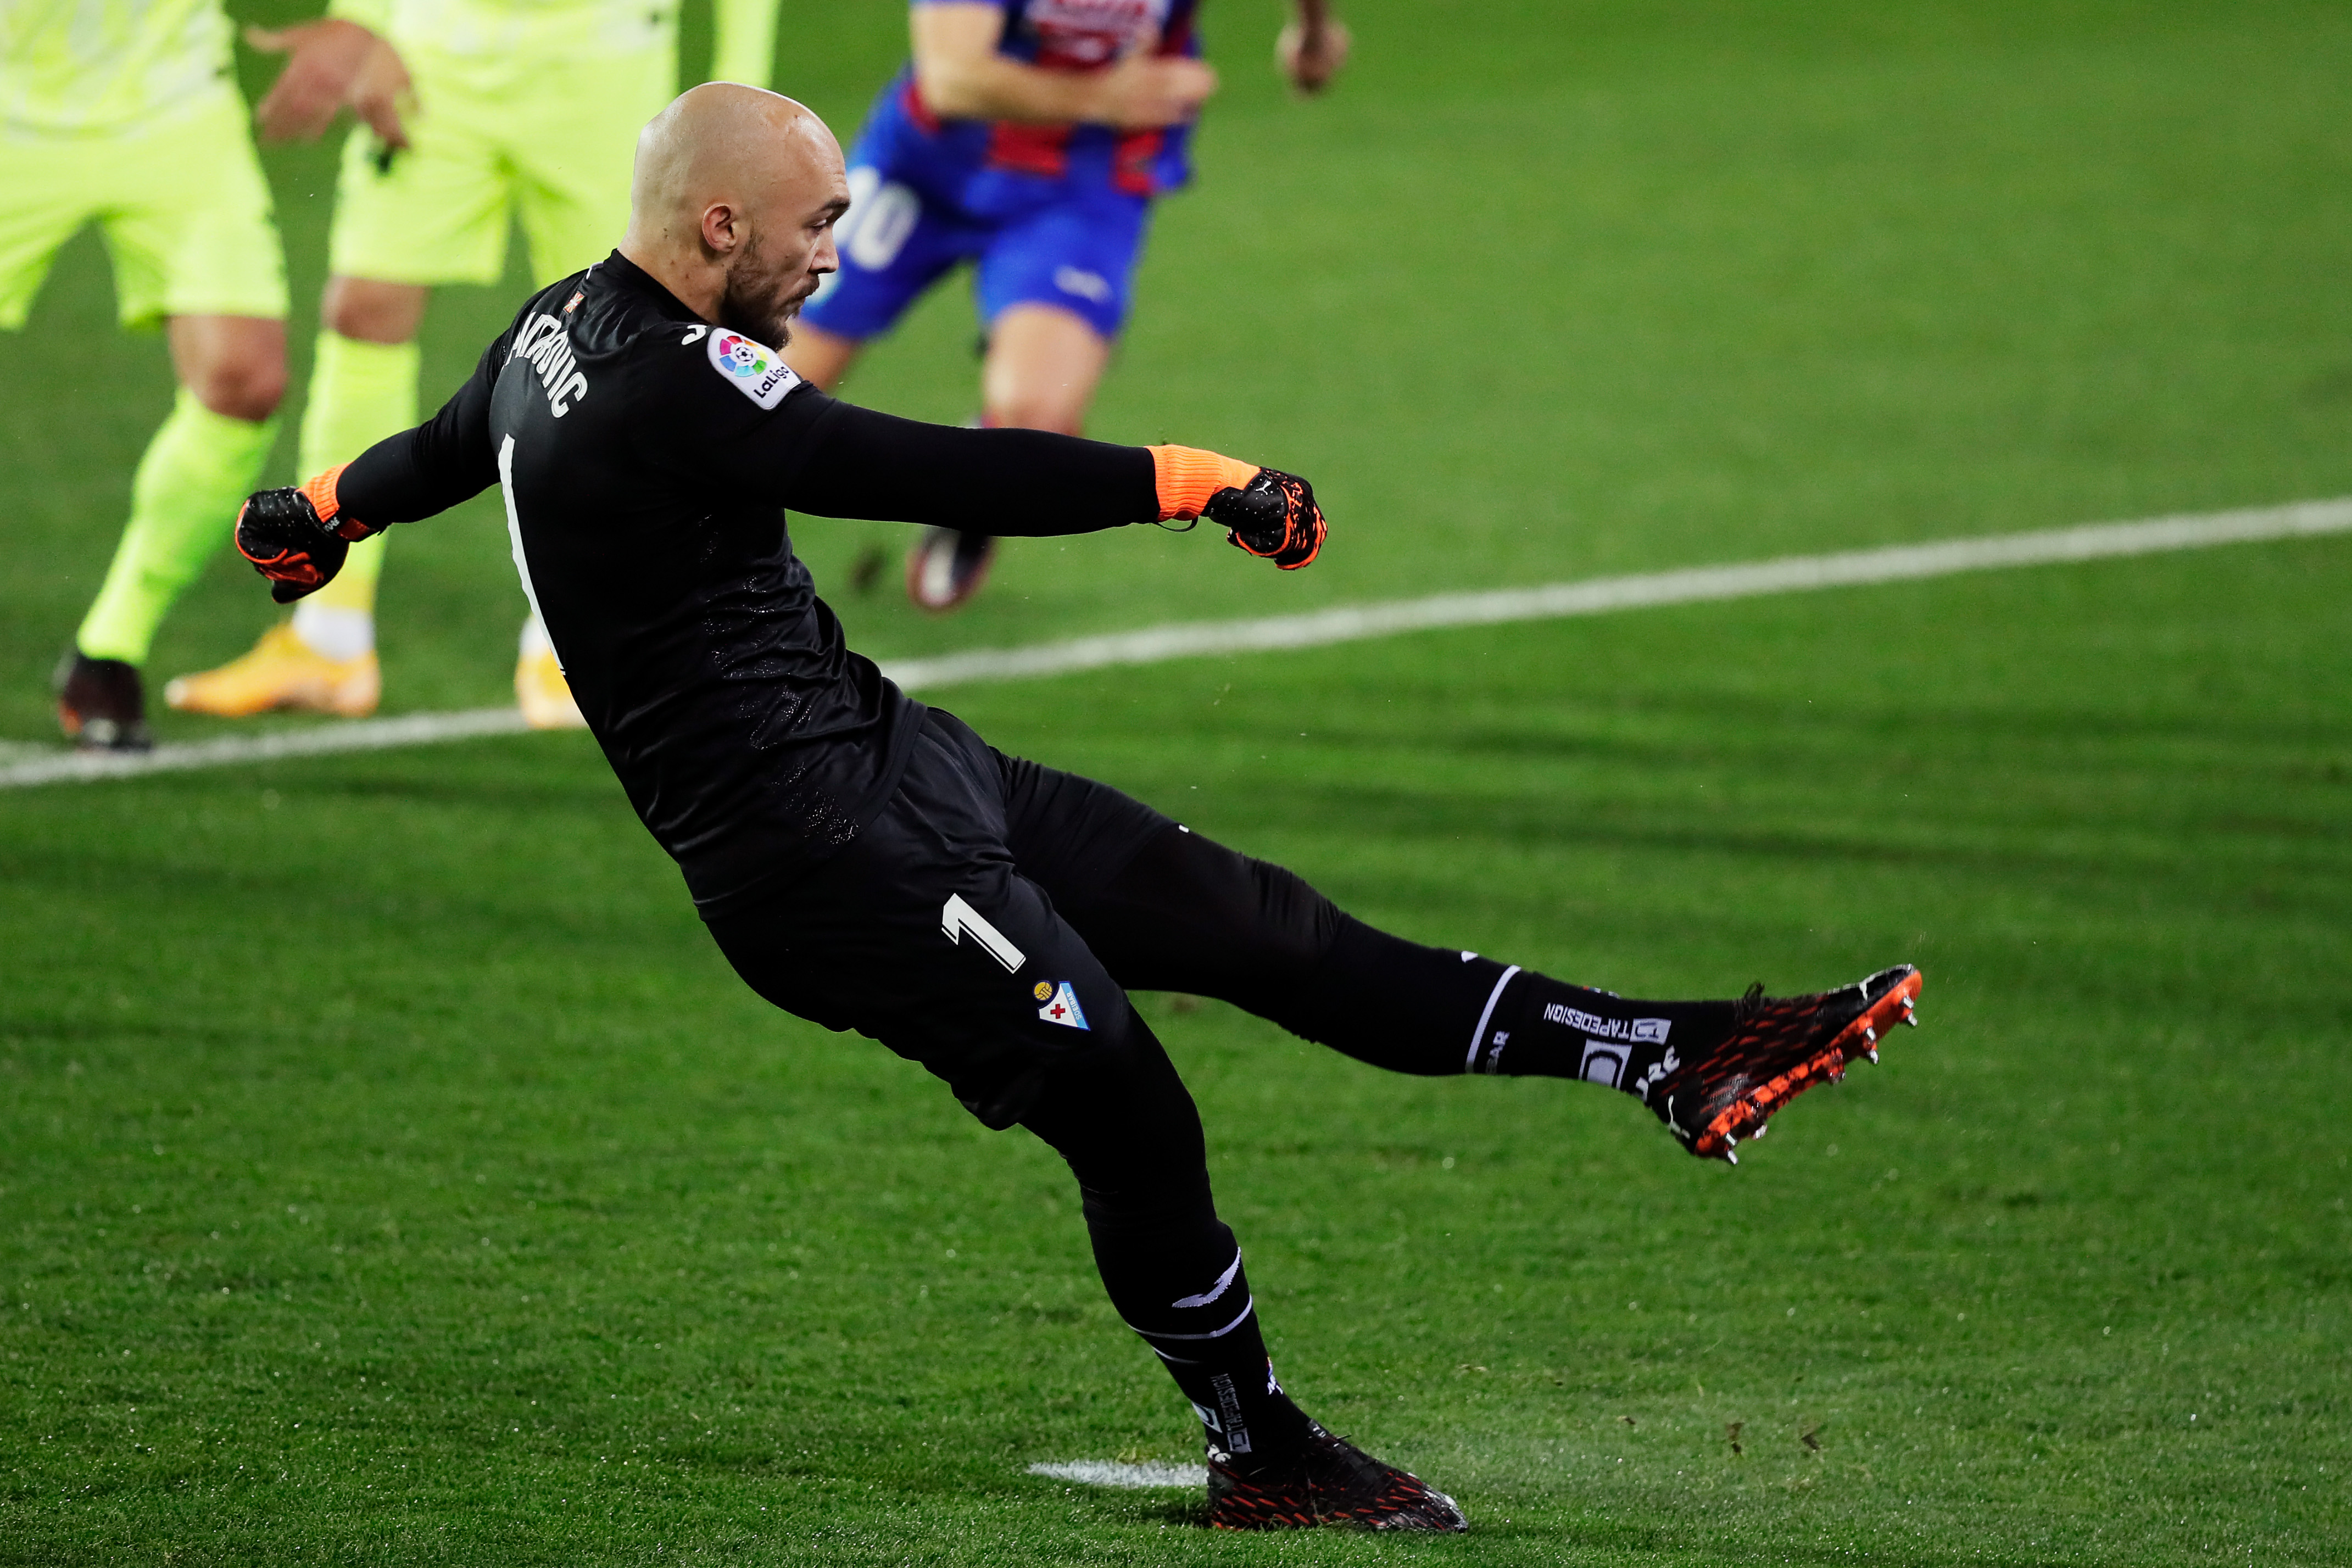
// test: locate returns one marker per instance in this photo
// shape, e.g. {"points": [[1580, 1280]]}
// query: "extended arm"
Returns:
{"points": [[869, 464], [1034, 481], [963, 76], [856, 464], [429, 469], [297, 539]]}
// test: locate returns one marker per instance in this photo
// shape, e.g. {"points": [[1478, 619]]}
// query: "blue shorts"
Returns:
{"points": [[1033, 241]]}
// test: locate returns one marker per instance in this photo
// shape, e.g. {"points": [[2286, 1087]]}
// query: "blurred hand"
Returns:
{"points": [[334, 64], [1144, 91], [1311, 58]]}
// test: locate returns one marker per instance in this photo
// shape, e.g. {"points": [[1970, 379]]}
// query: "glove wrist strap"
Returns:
{"points": [[320, 489], [1186, 477]]}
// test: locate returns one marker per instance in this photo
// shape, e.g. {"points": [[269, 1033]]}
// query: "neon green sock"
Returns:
{"points": [[360, 393], [184, 499]]}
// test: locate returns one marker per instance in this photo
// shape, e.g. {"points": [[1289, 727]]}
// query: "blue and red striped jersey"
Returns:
{"points": [[1068, 36]]}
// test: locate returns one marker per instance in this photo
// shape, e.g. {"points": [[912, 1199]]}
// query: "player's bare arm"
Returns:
{"points": [[963, 77], [1312, 48], [331, 65]]}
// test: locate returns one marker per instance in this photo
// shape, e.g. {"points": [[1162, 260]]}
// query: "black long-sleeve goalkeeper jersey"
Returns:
{"points": [[647, 458]]}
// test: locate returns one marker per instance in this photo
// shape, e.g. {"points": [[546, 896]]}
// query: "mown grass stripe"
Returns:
{"points": [[1347, 623]]}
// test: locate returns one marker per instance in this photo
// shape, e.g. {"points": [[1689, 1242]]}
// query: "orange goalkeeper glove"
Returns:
{"points": [[293, 537], [1268, 513]]}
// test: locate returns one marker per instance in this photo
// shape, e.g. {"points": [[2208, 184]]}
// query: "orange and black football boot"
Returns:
{"points": [[1331, 1483], [1778, 1048]]}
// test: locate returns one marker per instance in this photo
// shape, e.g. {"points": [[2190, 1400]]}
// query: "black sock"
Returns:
{"points": [[1439, 1010], [1179, 1284], [1547, 1028], [1123, 1121], [1393, 1003]]}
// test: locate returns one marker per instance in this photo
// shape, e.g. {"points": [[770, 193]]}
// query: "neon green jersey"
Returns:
{"points": [[517, 29], [101, 65], [564, 29]]}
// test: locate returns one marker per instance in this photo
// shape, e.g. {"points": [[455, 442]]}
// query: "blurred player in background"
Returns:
{"points": [[473, 113], [126, 112], [1028, 137]]}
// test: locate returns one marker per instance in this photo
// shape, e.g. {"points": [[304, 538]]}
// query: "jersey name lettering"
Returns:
{"points": [[547, 347]]}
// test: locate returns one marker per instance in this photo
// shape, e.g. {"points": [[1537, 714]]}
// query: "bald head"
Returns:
{"points": [[733, 202]]}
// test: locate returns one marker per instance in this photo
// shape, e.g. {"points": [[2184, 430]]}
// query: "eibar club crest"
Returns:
{"points": [[1062, 1006]]}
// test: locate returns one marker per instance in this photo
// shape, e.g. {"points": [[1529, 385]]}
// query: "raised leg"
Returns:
{"points": [[1186, 913]]}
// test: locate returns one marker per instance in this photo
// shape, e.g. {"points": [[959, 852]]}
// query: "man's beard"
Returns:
{"points": [[784, 322], [766, 320], [766, 317]]}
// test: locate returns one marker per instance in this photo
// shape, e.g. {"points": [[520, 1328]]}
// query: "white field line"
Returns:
{"points": [[1352, 624], [1110, 1473], [1601, 595], [361, 735]]}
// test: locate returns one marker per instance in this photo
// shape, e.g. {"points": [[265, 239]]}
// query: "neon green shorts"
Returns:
{"points": [[181, 201], [551, 141]]}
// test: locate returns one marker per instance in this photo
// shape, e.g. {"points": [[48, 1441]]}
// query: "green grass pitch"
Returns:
{"points": [[391, 1171]]}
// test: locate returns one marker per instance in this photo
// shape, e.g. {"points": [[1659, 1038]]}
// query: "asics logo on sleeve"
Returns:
{"points": [[756, 370], [547, 347]]}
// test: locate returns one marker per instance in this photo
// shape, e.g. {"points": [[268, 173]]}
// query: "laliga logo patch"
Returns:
{"points": [[1061, 1005], [758, 372]]}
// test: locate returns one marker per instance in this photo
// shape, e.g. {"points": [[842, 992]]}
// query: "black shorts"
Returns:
{"points": [[935, 930]]}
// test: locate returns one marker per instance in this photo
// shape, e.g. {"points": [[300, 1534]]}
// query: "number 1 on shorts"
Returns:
{"points": [[956, 918]]}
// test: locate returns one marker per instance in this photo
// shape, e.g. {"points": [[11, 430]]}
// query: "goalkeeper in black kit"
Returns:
{"points": [[870, 863]]}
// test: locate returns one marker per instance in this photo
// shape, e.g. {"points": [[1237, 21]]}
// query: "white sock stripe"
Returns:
{"points": [[1224, 1282], [1470, 1064], [1147, 1335]]}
